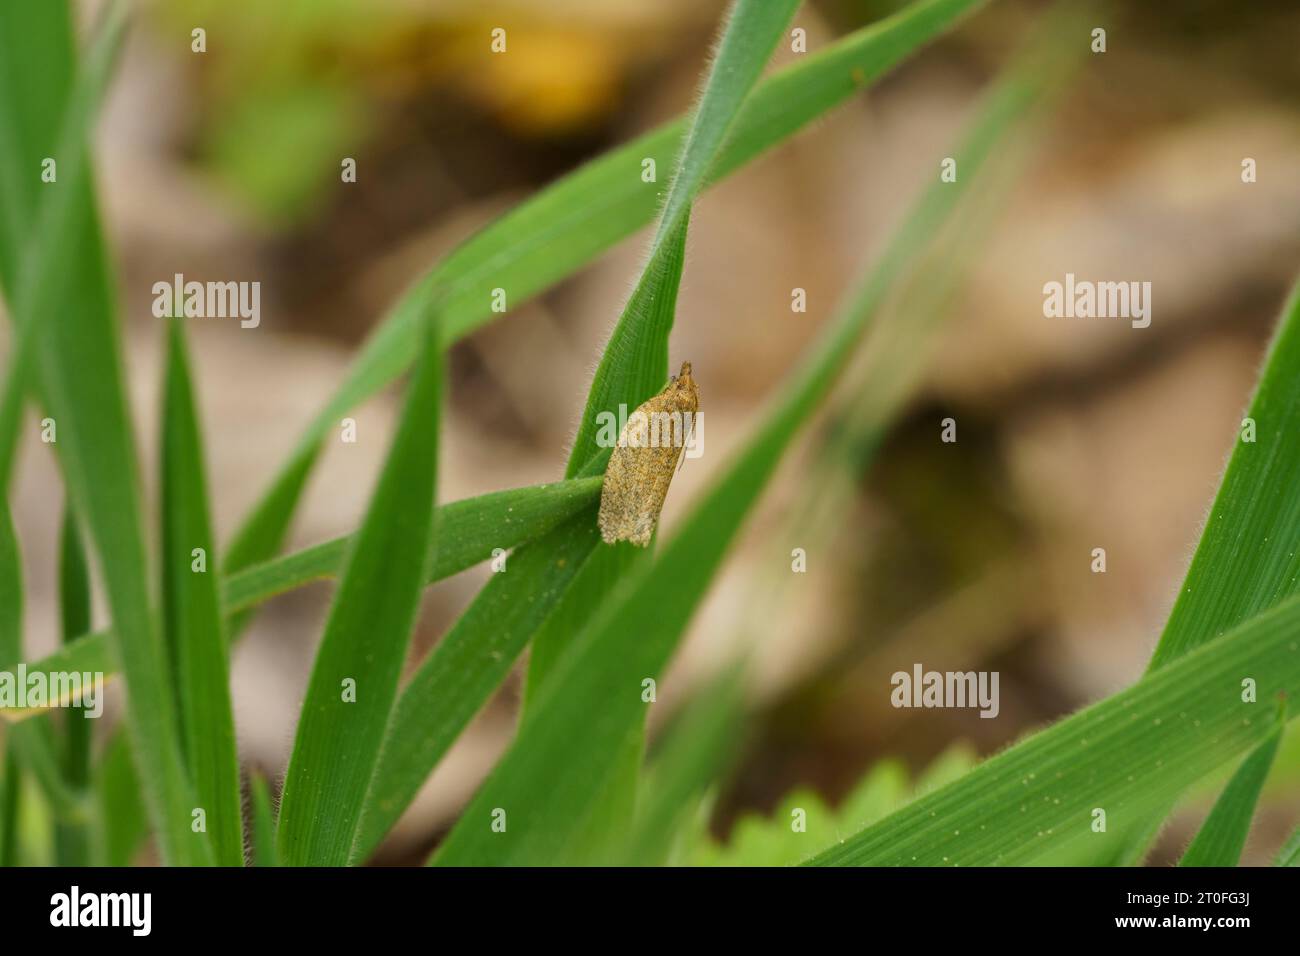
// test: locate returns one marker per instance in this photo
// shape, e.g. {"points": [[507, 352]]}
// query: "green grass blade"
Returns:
{"points": [[32, 742], [563, 755], [72, 840], [10, 637], [1247, 559], [1289, 855], [192, 618], [263, 533], [571, 222], [10, 789], [635, 362], [34, 288], [701, 742], [78, 360], [468, 664], [1129, 755], [634, 365], [470, 530], [37, 750], [1223, 835], [264, 853], [366, 637], [1244, 562], [123, 821]]}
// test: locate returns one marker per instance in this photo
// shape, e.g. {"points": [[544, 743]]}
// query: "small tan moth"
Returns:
{"points": [[643, 463]]}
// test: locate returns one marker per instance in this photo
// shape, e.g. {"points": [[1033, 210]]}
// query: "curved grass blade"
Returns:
{"points": [[1128, 755], [192, 618], [564, 755], [354, 680], [568, 224], [1223, 835], [470, 531]]}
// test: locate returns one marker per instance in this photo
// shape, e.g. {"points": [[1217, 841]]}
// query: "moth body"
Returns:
{"points": [[642, 464]]}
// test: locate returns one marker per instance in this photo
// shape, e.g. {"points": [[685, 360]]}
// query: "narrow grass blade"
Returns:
{"points": [[192, 619], [1247, 560], [37, 750], [1289, 855], [470, 531], [354, 679], [699, 745], [123, 822], [10, 790], [1129, 755], [34, 288], [72, 840], [32, 742], [264, 853], [1223, 835], [1244, 562], [635, 361], [562, 757], [78, 361], [568, 224], [634, 366], [468, 664]]}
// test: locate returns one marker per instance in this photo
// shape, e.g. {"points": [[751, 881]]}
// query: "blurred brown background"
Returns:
{"points": [[1071, 435]]}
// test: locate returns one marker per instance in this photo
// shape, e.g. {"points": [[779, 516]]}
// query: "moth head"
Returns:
{"points": [[683, 385]]}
